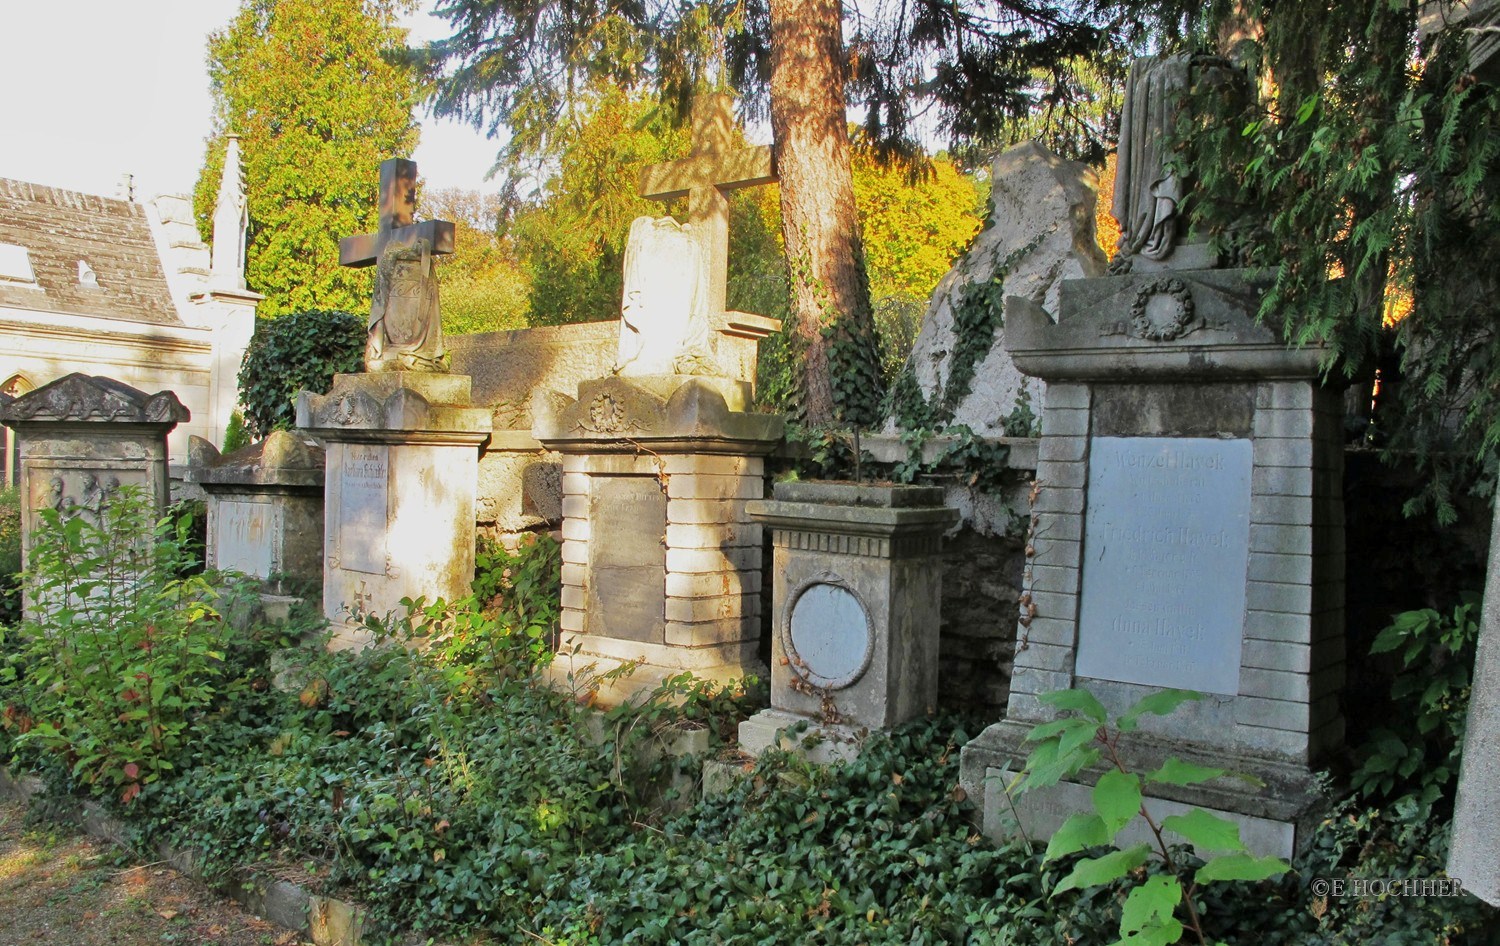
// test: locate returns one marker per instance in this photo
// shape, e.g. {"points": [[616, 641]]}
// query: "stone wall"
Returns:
{"points": [[520, 484]]}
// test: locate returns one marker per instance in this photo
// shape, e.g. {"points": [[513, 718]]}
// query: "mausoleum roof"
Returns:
{"points": [[121, 275]]}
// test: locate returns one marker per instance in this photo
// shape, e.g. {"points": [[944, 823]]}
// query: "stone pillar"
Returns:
{"points": [[661, 563], [1187, 533], [82, 437], [858, 597], [402, 468], [265, 510], [1474, 857]]}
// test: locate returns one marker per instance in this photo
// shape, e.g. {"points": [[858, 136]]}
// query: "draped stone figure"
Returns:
{"points": [[1147, 193], [406, 329], [664, 319], [1154, 233]]}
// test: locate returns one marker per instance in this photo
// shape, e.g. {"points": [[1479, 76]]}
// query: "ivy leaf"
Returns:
{"points": [[1081, 700], [1158, 704], [1081, 830], [1174, 771], [1241, 867], [1206, 832], [1147, 916], [1094, 871], [1117, 798]]}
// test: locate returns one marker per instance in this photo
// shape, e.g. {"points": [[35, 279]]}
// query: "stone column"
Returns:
{"points": [[858, 599], [661, 563], [402, 468]]}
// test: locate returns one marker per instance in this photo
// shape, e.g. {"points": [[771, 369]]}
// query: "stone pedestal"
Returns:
{"points": [[80, 438], [402, 467], [858, 592], [1187, 533], [265, 510], [661, 563]]}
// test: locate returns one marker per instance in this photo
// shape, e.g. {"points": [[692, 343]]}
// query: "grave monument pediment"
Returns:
{"points": [[80, 398]]}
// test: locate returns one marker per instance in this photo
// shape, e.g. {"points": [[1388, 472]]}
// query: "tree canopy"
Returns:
{"points": [[969, 69], [318, 100]]}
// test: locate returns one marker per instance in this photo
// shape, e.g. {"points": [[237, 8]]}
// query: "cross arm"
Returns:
{"points": [[364, 249], [747, 167]]}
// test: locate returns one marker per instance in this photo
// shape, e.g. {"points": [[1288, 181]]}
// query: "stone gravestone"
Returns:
{"points": [[661, 564], [81, 438], [1474, 856], [857, 606], [402, 439], [265, 509], [1187, 533]]}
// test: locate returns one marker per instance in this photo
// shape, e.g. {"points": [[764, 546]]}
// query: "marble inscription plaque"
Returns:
{"points": [[244, 537], [364, 511], [1166, 542], [830, 636], [627, 561]]}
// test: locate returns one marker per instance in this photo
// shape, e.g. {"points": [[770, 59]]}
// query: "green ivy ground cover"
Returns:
{"points": [[435, 780]]}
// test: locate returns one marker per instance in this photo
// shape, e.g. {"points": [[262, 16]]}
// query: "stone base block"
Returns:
{"points": [[613, 672], [791, 732], [1276, 817]]}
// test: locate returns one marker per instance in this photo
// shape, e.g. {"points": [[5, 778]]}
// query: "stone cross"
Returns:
{"points": [[398, 204], [705, 177]]}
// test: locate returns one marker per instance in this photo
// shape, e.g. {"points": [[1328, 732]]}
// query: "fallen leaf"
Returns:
{"points": [[166, 914]]}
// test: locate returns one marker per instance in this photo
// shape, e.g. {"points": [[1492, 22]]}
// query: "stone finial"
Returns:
{"points": [[231, 222]]}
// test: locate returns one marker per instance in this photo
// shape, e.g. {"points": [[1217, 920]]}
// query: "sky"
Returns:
{"points": [[91, 90]]}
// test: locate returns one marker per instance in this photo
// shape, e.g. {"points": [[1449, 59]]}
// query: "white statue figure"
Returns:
{"points": [[664, 322]]}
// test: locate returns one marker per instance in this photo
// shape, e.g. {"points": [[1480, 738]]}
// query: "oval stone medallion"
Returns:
{"points": [[830, 636]]}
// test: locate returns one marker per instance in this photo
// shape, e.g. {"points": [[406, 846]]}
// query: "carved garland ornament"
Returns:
{"points": [[607, 414], [1163, 310]]}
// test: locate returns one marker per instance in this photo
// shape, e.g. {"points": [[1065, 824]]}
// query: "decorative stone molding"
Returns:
{"points": [[81, 398]]}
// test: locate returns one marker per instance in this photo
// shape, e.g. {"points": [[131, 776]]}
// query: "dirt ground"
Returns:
{"points": [[62, 889]]}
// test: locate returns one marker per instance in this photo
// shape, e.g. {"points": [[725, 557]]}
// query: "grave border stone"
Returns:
{"points": [[1114, 367]]}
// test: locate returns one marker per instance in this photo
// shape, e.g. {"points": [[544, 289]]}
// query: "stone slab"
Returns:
{"points": [[1160, 509], [364, 507], [1474, 856]]}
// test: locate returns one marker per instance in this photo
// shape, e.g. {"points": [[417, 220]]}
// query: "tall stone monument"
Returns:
{"points": [[661, 563], [402, 438], [1187, 533]]}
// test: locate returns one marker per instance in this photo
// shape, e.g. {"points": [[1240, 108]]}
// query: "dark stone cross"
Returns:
{"points": [[705, 177], [398, 204]]}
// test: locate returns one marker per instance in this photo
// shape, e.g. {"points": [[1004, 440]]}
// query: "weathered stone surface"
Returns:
{"points": [[1042, 226], [80, 439], [856, 607], [1474, 856], [399, 499], [265, 508], [1158, 481]]}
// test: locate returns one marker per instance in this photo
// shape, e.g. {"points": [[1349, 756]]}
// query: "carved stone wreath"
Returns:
{"points": [[607, 414], [1163, 310]]}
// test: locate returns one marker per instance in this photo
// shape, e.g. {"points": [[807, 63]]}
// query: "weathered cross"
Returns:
{"points": [[398, 204], [709, 172]]}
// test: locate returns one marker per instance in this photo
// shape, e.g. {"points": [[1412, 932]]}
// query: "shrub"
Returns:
{"points": [[297, 352], [10, 556], [127, 652]]}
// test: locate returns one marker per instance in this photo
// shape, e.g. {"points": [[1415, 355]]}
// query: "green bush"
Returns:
{"points": [[298, 352], [10, 556], [127, 653]]}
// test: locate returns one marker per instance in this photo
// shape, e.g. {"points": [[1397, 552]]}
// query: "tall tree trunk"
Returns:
{"points": [[829, 287]]}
